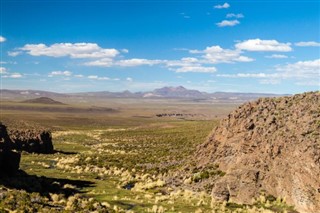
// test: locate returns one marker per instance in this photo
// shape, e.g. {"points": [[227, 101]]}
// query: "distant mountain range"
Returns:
{"points": [[162, 93]]}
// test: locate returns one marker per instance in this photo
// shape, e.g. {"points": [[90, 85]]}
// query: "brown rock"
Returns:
{"points": [[271, 145]]}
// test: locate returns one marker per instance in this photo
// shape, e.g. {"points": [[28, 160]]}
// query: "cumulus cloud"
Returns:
{"points": [[199, 69], [189, 64], [73, 50], [104, 62], [205, 58], [222, 6], [137, 62], [60, 73], [216, 54], [264, 45], [2, 39], [299, 70], [276, 56], [227, 23], [307, 44], [186, 61], [232, 15], [108, 62], [15, 75]]}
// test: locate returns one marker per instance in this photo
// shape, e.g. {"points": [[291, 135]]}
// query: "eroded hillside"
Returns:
{"points": [[270, 146]]}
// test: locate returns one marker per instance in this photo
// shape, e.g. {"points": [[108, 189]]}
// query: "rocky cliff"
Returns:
{"points": [[271, 145]]}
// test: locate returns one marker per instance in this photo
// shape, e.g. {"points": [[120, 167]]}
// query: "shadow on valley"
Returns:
{"points": [[64, 152], [44, 185]]}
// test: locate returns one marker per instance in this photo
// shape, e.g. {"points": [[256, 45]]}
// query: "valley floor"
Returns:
{"points": [[121, 162]]}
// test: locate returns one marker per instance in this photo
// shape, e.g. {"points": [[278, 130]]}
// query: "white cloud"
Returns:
{"points": [[210, 55], [92, 76], [301, 69], [60, 73], [95, 77], [137, 62], [223, 6], [3, 70], [73, 50], [216, 54], [78, 76], [249, 75], [307, 44], [232, 15], [129, 79], [14, 53], [263, 45], [227, 23], [187, 61], [276, 56], [13, 75], [125, 50], [2, 39], [16, 75], [103, 78], [199, 69], [108, 62], [189, 64], [104, 62]]}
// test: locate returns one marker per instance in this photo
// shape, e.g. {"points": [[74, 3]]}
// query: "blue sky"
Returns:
{"points": [[234, 46]]}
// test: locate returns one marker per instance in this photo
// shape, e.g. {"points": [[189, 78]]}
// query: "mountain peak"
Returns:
{"points": [[178, 91]]}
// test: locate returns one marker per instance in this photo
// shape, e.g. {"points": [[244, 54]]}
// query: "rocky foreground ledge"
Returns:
{"points": [[272, 146], [18, 138]]}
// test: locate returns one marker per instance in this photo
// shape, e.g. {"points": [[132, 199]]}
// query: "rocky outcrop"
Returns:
{"points": [[9, 160], [271, 145], [29, 137], [31, 140]]}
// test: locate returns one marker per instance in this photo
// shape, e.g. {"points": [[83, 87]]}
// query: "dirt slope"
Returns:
{"points": [[271, 145]]}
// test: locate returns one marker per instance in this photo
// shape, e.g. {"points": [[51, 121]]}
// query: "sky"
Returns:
{"points": [[262, 46]]}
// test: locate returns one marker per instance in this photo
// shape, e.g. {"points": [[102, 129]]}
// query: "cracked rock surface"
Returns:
{"points": [[271, 145]]}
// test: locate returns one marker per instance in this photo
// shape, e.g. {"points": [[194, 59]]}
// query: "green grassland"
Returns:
{"points": [[119, 160]]}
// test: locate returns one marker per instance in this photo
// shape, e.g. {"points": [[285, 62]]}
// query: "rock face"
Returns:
{"points": [[29, 137], [9, 160], [271, 145], [31, 140]]}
